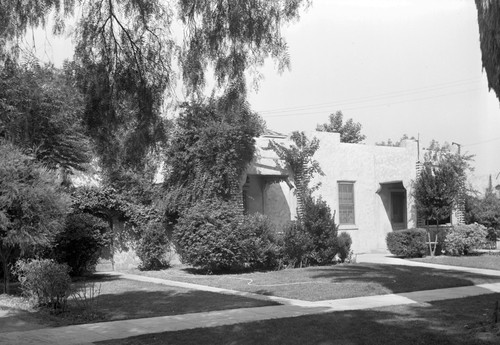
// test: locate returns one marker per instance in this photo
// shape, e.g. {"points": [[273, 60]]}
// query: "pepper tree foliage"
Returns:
{"points": [[441, 183], [127, 53], [488, 17], [350, 131], [32, 206], [40, 111], [210, 148]]}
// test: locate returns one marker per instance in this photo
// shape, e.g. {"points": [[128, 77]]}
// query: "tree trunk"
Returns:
{"points": [[112, 246], [4, 257]]}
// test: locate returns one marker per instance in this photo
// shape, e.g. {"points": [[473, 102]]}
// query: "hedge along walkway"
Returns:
{"points": [[86, 334]]}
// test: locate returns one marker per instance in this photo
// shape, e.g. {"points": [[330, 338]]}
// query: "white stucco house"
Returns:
{"points": [[368, 187]]}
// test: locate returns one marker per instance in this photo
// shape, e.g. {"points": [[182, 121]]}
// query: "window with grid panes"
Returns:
{"points": [[346, 203]]}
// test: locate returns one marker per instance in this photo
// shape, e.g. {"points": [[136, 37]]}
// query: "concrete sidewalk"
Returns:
{"points": [[89, 333], [392, 260]]}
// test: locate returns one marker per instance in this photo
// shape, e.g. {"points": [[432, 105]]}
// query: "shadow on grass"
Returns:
{"points": [[400, 279], [124, 299], [141, 304], [452, 322]]}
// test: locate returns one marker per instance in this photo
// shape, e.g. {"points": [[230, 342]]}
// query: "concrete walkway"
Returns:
{"points": [[89, 333]]}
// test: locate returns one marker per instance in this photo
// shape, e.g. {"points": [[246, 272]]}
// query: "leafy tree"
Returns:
{"points": [[126, 55], [350, 132], [32, 207], [40, 111], [484, 211], [489, 23], [441, 182], [394, 143], [209, 150], [299, 159]]}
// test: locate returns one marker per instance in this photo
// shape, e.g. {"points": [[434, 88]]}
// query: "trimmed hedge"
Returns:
{"points": [[410, 243]]}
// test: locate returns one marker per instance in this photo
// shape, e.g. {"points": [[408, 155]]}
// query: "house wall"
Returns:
{"points": [[254, 197], [368, 167], [279, 203]]}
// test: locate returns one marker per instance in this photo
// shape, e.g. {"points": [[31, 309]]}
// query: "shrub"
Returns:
{"points": [[44, 282], [214, 236], [296, 245], [462, 239], [206, 236], [81, 242], [408, 243], [343, 244], [260, 244], [320, 226], [154, 248], [314, 241]]}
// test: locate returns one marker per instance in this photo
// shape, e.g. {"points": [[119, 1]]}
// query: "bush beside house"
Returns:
{"points": [[410, 243], [462, 239]]}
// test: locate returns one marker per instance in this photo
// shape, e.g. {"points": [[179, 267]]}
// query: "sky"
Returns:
{"points": [[396, 66]]}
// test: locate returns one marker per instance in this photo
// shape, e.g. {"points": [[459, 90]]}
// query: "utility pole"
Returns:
{"points": [[458, 145]]}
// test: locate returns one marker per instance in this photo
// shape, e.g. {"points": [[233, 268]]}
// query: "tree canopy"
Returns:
{"points": [[209, 150], [129, 54], [350, 131], [488, 17], [396, 143], [40, 111], [32, 207], [441, 183]]}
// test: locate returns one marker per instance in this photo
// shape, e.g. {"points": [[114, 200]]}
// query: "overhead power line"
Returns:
{"points": [[385, 104], [380, 97], [482, 142]]}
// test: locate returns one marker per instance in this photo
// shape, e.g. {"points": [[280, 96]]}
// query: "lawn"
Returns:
{"points": [[486, 261], [329, 282], [121, 299], [451, 322]]}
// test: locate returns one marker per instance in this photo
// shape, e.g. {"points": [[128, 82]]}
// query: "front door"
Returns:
{"points": [[398, 210]]}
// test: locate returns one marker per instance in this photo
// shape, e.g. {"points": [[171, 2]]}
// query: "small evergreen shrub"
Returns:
{"points": [[343, 244], [410, 243], [81, 242], [154, 248], [462, 239], [44, 282]]}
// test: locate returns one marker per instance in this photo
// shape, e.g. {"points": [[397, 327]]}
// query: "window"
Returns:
{"points": [[346, 203]]}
